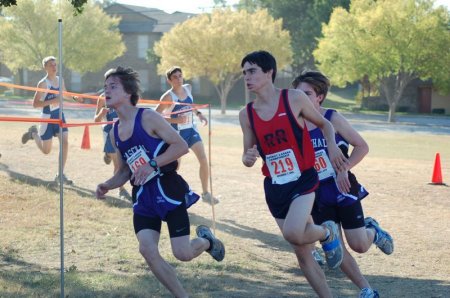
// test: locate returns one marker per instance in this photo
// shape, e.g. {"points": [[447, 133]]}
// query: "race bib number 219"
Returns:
{"points": [[283, 167]]}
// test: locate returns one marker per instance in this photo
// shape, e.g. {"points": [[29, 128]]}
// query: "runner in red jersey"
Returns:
{"points": [[274, 128]]}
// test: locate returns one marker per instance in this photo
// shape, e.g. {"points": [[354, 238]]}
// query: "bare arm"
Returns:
{"points": [[101, 109], [38, 102], [156, 126], [70, 98], [300, 102], [200, 116], [360, 147], [250, 154], [161, 108]]}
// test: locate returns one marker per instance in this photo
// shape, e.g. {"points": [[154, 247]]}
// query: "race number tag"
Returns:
{"points": [[189, 121], [54, 107], [283, 167], [323, 165], [138, 159]]}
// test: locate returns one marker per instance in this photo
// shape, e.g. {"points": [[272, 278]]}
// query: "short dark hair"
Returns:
{"points": [[47, 59], [172, 70], [263, 59], [129, 79], [318, 81]]}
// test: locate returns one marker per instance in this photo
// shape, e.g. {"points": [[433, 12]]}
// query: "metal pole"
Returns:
{"points": [[210, 172], [60, 171]]}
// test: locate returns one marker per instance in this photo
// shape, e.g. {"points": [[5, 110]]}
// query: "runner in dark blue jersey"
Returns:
{"points": [[149, 148]]}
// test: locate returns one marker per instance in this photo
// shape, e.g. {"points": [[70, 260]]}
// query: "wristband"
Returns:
{"points": [[153, 164]]}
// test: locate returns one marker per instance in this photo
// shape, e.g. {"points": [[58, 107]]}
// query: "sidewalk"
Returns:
{"points": [[367, 122], [361, 122]]}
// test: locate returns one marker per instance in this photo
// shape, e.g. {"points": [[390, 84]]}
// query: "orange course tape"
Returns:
{"points": [[83, 95], [66, 93]]}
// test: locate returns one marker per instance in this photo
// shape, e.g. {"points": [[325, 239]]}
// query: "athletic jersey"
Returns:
{"points": [[110, 116], [151, 198], [51, 109], [328, 192], [177, 109], [283, 144]]}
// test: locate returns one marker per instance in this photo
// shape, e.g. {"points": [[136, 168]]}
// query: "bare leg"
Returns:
{"points": [[148, 247], [65, 147], [360, 239], [44, 146], [199, 151], [349, 265], [298, 228], [185, 250], [312, 271]]}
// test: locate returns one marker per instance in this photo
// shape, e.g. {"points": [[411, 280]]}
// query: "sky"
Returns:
{"points": [[198, 6], [192, 6]]}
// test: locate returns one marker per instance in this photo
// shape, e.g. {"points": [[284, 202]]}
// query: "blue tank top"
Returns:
{"points": [[152, 198], [319, 142], [328, 192], [49, 96], [140, 139], [179, 108]]}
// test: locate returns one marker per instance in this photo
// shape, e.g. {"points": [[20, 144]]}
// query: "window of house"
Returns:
{"points": [[75, 82], [142, 46], [25, 76], [196, 85], [163, 83]]}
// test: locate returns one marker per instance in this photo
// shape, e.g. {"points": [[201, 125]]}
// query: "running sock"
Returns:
{"points": [[210, 245], [375, 237], [327, 235]]}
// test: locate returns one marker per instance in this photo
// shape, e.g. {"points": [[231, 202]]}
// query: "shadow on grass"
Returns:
{"points": [[52, 186], [269, 240], [228, 279]]}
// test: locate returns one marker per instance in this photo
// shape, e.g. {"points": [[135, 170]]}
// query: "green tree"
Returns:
{"points": [[29, 32], [390, 42], [303, 19], [77, 4], [213, 45]]}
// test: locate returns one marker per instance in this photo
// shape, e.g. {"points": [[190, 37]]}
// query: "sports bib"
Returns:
{"points": [[283, 167], [323, 165], [138, 159], [189, 121]]}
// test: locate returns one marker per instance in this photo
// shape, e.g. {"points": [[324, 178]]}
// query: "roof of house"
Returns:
{"points": [[158, 20]]}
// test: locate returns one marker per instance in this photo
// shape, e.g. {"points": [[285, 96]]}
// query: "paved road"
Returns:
{"points": [[372, 122], [361, 122]]}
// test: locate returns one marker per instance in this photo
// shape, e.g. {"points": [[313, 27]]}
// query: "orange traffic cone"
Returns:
{"points": [[437, 173], [85, 142]]}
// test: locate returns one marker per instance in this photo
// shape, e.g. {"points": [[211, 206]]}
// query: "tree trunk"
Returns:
{"points": [[391, 114], [392, 88], [224, 88], [20, 81], [223, 104]]}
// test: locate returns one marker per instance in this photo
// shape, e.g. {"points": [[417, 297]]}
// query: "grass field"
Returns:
{"points": [[101, 257]]}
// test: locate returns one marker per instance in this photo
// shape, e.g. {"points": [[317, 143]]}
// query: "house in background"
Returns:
{"points": [[140, 27], [418, 97]]}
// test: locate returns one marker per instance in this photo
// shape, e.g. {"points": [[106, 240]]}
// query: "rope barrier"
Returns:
{"points": [[84, 124]]}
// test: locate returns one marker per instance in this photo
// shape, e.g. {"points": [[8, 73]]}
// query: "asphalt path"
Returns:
{"points": [[361, 122]]}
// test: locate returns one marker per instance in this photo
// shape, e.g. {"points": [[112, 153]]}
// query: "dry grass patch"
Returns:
{"points": [[101, 257]]}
